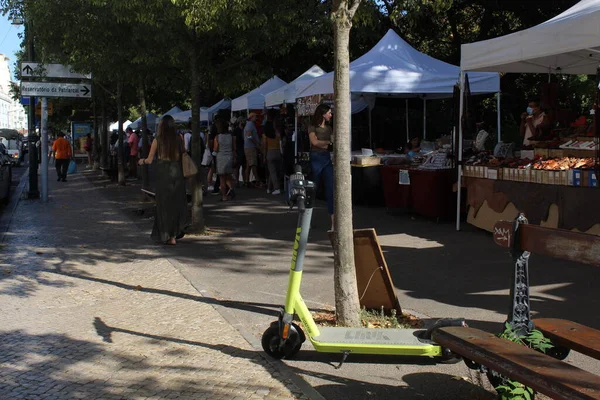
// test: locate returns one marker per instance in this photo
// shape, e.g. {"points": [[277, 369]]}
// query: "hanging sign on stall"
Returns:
{"points": [[306, 106], [404, 177]]}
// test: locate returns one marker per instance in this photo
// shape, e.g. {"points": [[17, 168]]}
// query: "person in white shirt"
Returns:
{"points": [[187, 137]]}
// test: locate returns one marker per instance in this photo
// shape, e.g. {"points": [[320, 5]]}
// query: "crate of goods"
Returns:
{"points": [[492, 173], [551, 178], [555, 153], [576, 177], [367, 160], [585, 178], [593, 180], [540, 152]]}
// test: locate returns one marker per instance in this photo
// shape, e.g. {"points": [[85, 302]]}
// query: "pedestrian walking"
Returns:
{"points": [[240, 159], [251, 148], [62, 156], [272, 154], [226, 149], [88, 146], [133, 142], [321, 136], [171, 200]]}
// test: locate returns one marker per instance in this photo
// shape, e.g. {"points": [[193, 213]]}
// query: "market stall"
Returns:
{"points": [[255, 99], [555, 180], [392, 68]]}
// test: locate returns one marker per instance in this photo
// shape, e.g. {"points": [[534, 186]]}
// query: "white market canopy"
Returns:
{"points": [[568, 43], [255, 99], [172, 111], [393, 67], [150, 121], [206, 114], [182, 117], [115, 125], [287, 93]]}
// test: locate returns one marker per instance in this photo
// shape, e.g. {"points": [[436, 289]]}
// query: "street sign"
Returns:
{"points": [[25, 100], [55, 89], [32, 69]]}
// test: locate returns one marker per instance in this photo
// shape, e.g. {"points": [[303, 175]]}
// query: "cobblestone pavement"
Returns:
{"points": [[90, 310]]}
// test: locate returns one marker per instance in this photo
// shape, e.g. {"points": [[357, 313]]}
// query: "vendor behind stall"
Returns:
{"points": [[414, 146], [534, 123]]}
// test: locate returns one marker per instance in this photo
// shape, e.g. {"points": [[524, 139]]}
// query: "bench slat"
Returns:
{"points": [[543, 373], [570, 334], [558, 243]]}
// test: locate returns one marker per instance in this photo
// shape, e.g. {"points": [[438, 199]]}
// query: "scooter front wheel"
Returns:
{"points": [[271, 344]]}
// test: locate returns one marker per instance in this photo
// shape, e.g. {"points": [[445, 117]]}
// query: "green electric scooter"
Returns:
{"points": [[284, 338]]}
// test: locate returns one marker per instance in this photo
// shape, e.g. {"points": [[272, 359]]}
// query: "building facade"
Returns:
{"points": [[12, 113]]}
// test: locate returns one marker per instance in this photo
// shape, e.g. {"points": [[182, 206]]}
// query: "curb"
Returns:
{"points": [[306, 389], [6, 217]]}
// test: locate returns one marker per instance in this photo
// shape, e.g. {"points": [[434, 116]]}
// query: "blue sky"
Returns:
{"points": [[9, 40]]}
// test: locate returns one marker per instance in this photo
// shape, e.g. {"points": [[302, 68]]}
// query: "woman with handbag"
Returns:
{"points": [[225, 147], [171, 200]]}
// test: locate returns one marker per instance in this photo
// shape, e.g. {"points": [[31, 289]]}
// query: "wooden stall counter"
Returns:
{"points": [[551, 206]]}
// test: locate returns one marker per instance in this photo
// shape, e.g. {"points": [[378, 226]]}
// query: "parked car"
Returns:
{"points": [[13, 141], [5, 174]]}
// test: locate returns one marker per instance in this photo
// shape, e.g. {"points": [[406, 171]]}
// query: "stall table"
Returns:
{"points": [[429, 193], [367, 189]]}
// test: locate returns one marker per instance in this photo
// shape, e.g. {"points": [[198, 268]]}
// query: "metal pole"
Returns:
{"points": [[498, 96], [424, 118], [44, 134], [33, 192], [460, 145], [370, 130], [296, 134], [407, 133]]}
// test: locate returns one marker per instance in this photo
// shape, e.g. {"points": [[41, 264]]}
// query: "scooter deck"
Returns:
{"points": [[375, 341]]}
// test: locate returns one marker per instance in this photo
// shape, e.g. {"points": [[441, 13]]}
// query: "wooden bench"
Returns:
{"points": [[545, 374]]}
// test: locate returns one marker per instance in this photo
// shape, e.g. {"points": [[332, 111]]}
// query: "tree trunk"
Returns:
{"points": [[198, 223], [346, 292], [142, 100], [96, 143], [121, 153]]}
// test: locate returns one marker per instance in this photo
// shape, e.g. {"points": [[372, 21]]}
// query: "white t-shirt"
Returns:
{"points": [[186, 139]]}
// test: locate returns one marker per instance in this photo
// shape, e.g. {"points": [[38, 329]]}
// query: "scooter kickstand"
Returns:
{"points": [[346, 353]]}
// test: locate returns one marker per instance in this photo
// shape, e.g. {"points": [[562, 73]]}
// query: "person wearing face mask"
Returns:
{"points": [[534, 122]]}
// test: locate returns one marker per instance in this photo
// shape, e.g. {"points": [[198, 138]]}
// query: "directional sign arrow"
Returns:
{"points": [[28, 70], [85, 90]]}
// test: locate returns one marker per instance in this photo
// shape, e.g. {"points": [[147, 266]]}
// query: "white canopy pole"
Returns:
{"points": [[498, 96], [407, 133], [460, 145], [370, 130], [296, 133], [424, 118]]}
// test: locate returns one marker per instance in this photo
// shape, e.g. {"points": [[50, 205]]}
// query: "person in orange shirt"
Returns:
{"points": [[62, 156]]}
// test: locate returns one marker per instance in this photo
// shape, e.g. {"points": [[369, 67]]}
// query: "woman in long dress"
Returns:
{"points": [[225, 147], [171, 200]]}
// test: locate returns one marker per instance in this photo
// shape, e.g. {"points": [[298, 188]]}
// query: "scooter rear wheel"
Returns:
{"points": [[271, 344]]}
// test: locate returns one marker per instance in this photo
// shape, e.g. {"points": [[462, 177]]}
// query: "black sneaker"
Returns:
{"points": [[58, 180], [64, 179]]}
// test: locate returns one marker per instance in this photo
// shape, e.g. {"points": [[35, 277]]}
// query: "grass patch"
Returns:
{"points": [[372, 319]]}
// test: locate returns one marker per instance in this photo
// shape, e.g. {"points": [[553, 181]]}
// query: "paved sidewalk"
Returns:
{"points": [[91, 310]]}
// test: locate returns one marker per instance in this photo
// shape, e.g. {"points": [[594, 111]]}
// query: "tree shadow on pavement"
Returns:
{"points": [[419, 386], [60, 367]]}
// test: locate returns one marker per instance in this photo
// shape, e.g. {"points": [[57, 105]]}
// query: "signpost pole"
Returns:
{"points": [[44, 134], [33, 192]]}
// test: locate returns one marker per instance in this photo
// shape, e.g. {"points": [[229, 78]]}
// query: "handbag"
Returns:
{"points": [[72, 167], [207, 157], [189, 167]]}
